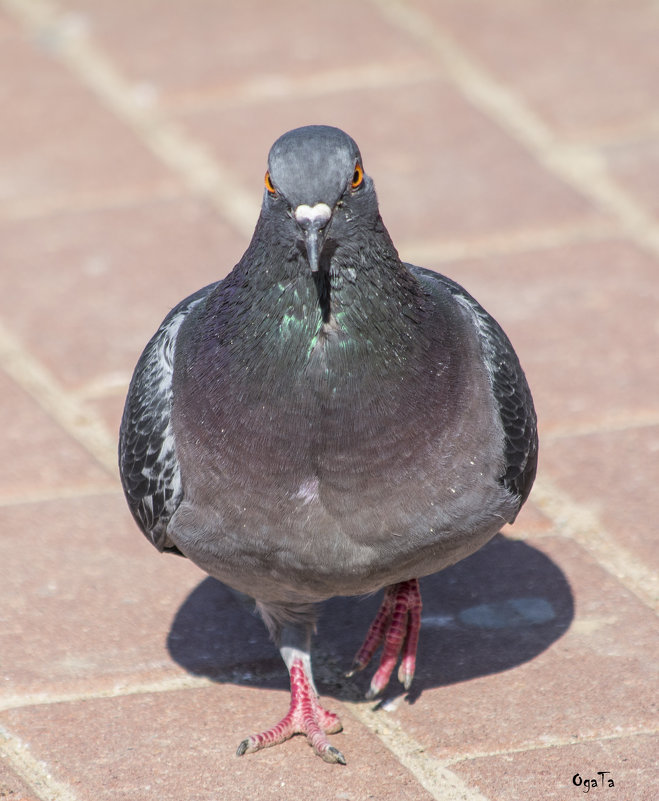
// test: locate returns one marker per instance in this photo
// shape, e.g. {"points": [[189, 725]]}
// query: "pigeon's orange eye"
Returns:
{"points": [[357, 176], [269, 185]]}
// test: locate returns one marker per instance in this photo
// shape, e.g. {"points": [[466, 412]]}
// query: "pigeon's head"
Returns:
{"points": [[313, 172]]}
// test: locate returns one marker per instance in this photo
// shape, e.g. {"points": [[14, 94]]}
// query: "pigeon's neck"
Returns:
{"points": [[360, 312]]}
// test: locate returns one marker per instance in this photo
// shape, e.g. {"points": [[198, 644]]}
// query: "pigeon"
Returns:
{"points": [[326, 421]]}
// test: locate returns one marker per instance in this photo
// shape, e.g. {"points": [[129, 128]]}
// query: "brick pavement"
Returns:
{"points": [[515, 147]]}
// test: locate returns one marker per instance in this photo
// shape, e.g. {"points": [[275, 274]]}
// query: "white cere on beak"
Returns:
{"points": [[311, 220], [314, 216]]}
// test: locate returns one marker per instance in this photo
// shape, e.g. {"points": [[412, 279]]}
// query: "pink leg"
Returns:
{"points": [[305, 716], [397, 623]]}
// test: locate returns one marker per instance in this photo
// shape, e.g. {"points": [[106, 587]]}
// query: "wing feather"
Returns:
{"points": [[148, 464], [509, 387]]}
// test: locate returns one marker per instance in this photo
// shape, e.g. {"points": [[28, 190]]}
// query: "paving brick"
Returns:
{"points": [[200, 46], [635, 165], [8, 28], [492, 680], [44, 170], [530, 521], [615, 474], [534, 662], [168, 746], [36, 456], [459, 176], [86, 601], [504, 576], [12, 786], [89, 605], [200, 633], [549, 773], [583, 320], [104, 280], [557, 55], [110, 406]]}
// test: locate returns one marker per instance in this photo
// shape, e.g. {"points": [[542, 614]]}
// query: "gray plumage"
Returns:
{"points": [[326, 420]]}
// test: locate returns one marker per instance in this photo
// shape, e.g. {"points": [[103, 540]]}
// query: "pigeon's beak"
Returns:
{"points": [[313, 221]]}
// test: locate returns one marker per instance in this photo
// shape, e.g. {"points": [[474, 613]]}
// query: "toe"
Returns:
{"points": [[328, 721], [397, 627], [305, 716], [333, 755], [244, 747]]}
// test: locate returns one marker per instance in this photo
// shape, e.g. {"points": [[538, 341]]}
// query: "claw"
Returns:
{"points": [[332, 754], [396, 625], [305, 716], [243, 747]]}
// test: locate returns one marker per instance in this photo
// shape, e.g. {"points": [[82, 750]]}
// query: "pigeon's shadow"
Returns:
{"points": [[498, 608]]}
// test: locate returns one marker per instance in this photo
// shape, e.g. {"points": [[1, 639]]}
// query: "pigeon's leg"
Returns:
{"points": [[397, 625], [305, 714]]}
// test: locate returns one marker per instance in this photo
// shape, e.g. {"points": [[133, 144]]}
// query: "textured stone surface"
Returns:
{"points": [[462, 177], [12, 786], [615, 475], [537, 652], [85, 600], [50, 110], [116, 272], [583, 320], [635, 164], [36, 456], [541, 48], [531, 179], [159, 745], [554, 772], [202, 52]]}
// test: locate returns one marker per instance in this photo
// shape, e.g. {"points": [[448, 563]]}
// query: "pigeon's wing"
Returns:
{"points": [[148, 464], [509, 387]]}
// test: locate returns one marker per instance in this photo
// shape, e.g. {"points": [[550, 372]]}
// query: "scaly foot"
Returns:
{"points": [[397, 623], [305, 716]]}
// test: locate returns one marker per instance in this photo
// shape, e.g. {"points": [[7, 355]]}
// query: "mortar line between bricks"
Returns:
{"points": [[582, 169], [85, 60], [186, 157], [636, 127], [81, 202], [170, 684], [87, 429], [35, 773], [511, 241], [431, 773], [552, 743], [580, 524], [66, 492], [207, 176], [577, 165], [625, 421], [320, 83]]}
